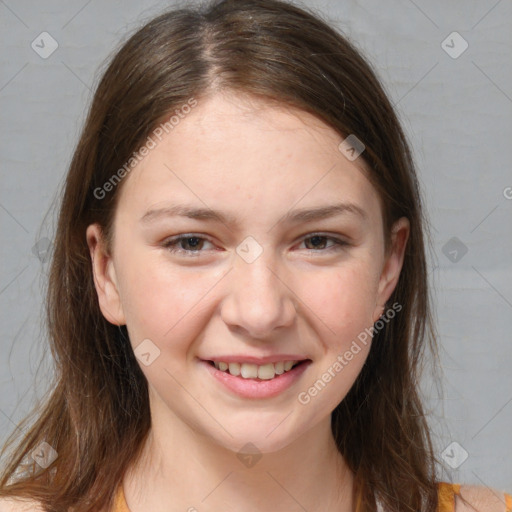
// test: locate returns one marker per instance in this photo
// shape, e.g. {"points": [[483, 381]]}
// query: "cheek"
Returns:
{"points": [[343, 302], [344, 298], [163, 303]]}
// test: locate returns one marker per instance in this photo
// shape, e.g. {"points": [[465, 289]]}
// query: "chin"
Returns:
{"points": [[258, 437]]}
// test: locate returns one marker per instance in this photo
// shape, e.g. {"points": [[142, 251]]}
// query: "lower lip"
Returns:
{"points": [[256, 388]]}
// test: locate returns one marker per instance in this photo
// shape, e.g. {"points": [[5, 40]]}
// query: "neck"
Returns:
{"points": [[181, 469]]}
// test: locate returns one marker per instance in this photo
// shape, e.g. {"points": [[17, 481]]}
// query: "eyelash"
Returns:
{"points": [[171, 244]]}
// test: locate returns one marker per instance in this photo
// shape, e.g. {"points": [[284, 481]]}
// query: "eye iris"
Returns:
{"points": [[192, 241], [317, 239]]}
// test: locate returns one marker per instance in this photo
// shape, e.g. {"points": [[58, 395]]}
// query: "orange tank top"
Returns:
{"points": [[447, 494]]}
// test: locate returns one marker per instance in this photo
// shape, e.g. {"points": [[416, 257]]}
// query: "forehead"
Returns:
{"points": [[248, 154]]}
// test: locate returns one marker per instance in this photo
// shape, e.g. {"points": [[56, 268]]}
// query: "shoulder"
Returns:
{"points": [[19, 505], [479, 498], [23, 505]]}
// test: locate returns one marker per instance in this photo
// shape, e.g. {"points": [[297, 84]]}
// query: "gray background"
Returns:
{"points": [[456, 111]]}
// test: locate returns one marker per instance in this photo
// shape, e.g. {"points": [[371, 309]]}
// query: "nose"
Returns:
{"points": [[258, 301]]}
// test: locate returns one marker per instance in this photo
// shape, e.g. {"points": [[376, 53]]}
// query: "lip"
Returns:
{"points": [[257, 388]]}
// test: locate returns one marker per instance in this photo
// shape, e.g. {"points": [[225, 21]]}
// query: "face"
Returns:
{"points": [[245, 239]]}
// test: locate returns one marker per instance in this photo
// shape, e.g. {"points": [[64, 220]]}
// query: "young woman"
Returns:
{"points": [[238, 302]]}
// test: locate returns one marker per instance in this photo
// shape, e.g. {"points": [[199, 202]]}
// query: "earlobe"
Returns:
{"points": [[392, 265], [105, 279]]}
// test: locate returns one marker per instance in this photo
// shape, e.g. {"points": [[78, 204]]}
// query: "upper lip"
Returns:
{"points": [[257, 360]]}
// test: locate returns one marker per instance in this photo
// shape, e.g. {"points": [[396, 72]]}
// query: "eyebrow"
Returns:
{"points": [[291, 217]]}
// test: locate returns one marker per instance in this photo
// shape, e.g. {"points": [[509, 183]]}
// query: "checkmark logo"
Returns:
{"points": [[454, 455], [44, 45], [42, 249], [249, 455], [146, 352], [44, 455], [249, 249], [351, 147], [454, 249], [454, 45]]}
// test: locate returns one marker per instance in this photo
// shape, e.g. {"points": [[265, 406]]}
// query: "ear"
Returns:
{"points": [[392, 265], [104, 274]]}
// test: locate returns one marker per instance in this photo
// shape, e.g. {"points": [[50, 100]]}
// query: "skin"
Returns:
{"points": [[256, 161]]}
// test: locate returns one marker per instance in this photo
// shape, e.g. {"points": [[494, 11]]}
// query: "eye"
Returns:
{"points": [[192, 245], [318, 242], [189, 245]]}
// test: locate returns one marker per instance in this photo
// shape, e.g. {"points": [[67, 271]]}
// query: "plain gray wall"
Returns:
{"points": [[456, 109]]}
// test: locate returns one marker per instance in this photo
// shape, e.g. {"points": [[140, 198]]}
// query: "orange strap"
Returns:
{"points": [[120, 504], [447, 494], [508, 502]]}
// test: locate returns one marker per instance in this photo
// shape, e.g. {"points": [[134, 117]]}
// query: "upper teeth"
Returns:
{"points": [[253, 371]]}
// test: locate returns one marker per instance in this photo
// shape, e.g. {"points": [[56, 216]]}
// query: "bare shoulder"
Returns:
{"points": [[480, 499], [19, 505]]}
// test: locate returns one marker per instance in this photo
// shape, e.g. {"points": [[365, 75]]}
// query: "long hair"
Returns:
{"points": [[97, 415]]}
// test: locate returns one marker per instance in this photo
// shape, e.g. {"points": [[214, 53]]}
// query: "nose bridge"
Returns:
{"points": [[257, 300]]}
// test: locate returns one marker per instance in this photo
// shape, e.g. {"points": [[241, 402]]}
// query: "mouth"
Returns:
{"points": [[252, 381], [257, 372]]}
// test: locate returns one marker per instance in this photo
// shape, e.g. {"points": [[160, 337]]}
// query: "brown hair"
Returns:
{"points": [[97, 414]]}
